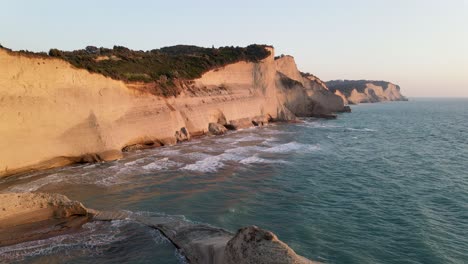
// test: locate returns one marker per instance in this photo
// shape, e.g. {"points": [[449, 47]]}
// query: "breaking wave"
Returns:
{"points": [[293, 147]]}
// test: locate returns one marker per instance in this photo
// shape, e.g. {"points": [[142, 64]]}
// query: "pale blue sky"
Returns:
{"points": [[420, 44]]}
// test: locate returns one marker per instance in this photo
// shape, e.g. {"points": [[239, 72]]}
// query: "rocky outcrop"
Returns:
{"points": [[364, 91], [253, 245], [32, 216], [205, 244], [53, 114], [216, 129], [304, 94], [343, 97], [182, 135], [261, 120]]}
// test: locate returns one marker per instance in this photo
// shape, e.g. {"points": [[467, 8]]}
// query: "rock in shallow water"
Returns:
{"points": [[33, 216], [240, 123], [255, 245], [216, 129]]}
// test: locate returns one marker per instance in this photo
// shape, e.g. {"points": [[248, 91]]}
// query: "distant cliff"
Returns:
{"points": [[365, 91], [82, 106]]}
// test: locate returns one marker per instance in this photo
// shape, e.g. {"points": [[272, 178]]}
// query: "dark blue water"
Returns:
{"points": [[387, 183]]}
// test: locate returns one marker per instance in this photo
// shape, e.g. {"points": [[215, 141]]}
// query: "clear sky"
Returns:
{"points": [[420, 44]]}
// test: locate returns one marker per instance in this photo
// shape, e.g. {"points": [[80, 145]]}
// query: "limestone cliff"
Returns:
{"points": [[364, 91], [53, 114], [304, 94]]}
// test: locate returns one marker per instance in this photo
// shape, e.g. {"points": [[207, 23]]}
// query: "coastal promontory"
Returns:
{"points": [[365, 91]]}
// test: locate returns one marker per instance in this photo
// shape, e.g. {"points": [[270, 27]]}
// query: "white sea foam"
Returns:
{"points": [[203, 148], [292, 147], [169, 152], [196, 155], [111, 179], [135, 162], [276, 132], [157, 237], [162, 164], [244, 150], [361, 129], [37, 184], [92, 241], [255, 159], [315, 124], [213, 163], [250, 138], [271, 139], [224, 140], [209, 164]]}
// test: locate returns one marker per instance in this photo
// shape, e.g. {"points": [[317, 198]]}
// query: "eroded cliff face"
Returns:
{"points": [[52, 114], [362, 91], [304, 95]]}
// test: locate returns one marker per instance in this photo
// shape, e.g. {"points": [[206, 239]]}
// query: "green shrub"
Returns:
{"points": [[177, 62], [55, 53]]}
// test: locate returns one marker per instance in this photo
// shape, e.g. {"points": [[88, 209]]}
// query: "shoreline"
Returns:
{"points": [[112, 155]]}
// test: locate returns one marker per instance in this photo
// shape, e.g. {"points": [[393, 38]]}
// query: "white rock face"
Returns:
{"points": [[52, 114], [362, 91], [343, 97], [309, 95]]}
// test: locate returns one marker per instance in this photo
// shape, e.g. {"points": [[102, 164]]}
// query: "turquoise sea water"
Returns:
{"points": [[387, 183]]}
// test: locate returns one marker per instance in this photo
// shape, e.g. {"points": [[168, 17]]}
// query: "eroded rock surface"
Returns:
{"points": [[205, 244], [253, 245], [32, 216], [216, 129]]}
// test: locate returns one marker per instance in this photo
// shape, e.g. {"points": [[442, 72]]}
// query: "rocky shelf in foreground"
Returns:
{"points": [[33, 216]]}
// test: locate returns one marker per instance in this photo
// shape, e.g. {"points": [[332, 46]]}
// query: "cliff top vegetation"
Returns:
{"points": [[181, 62]]}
